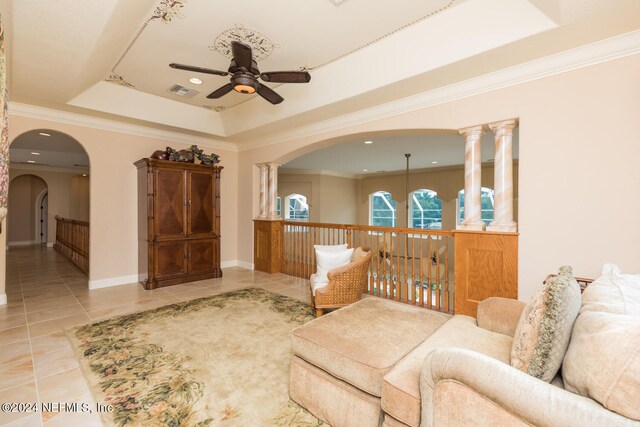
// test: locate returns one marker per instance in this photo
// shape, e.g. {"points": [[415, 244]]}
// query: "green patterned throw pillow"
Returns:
{"points": [[544, 329]]}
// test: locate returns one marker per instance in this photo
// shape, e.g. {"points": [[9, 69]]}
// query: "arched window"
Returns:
{"points": [[426, 210], [382, 209], [486, 202], [296, 208]]}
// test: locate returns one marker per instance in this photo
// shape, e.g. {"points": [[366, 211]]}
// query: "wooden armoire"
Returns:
{"points": [[178, 222]]}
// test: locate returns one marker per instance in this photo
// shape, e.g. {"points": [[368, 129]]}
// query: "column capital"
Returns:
{"points": [[262, 166], [472, 131], [503, 125], [273, 165]]}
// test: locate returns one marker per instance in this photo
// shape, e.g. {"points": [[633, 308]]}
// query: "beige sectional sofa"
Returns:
{"points": [[379, 362]]}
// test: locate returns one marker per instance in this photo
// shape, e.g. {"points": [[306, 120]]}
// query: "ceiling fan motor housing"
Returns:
{"points": [[244, 83]]}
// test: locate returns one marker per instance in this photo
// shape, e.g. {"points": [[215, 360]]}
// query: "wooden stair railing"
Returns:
{"points": [[72, 241]]}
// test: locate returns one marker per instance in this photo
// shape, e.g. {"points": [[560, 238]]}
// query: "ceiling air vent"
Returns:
{"points": [[183, 91]]}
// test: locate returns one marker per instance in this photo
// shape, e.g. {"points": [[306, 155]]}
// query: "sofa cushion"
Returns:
{"points": [[603, 359], [360, 343], [401, 387], [614, 292], [544, 329]]}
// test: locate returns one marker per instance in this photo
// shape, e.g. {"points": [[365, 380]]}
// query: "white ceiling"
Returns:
{"points": [[109, 58], [55, 151]]}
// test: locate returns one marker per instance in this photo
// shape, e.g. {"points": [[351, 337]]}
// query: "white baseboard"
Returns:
{"points": [[50, 245], [113, 281], [236, 263], [3, 299], [247, 265], [22, 243]]}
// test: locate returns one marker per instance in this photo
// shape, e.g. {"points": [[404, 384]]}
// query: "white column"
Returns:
{"points": [[264, 189], [503, 178], [472, 175], [272, 202]]}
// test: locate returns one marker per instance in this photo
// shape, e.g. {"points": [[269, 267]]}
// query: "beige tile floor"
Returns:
{"points": [[46, 294]]}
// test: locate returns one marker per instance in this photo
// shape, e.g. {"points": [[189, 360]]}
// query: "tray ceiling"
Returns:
{"points": [[110, 58]]}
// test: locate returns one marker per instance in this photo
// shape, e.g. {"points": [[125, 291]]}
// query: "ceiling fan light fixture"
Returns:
{"points": [[244, 83], [242, 88]]}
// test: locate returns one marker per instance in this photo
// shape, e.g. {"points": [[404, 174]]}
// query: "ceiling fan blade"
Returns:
{"points": [[198, 69], [220, 91], [241, 55], [268, 94], [286, 77]]}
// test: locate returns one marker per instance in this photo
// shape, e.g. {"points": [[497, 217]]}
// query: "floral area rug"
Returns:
{"points": [[215, 361]]}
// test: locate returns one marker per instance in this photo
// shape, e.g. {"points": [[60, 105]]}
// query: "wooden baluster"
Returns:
{"points": [[413, 292], [448, 296], [421, 275], [429, 281]]}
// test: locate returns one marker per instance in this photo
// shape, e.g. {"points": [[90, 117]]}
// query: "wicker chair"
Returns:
{"points": [[346, 285]]}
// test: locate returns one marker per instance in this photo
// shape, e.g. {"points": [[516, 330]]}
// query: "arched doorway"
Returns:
{"points": [[60, 165]]}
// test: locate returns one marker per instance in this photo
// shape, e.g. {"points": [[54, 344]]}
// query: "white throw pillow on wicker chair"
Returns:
{"points": [[328, 260]]}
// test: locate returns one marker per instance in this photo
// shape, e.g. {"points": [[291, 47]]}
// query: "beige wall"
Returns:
{"points": [[24, 192], [577, 165], [113, 205], [331, 199]]}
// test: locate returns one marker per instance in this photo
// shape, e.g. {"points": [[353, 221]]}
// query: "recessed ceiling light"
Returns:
{"points": [[195, 81], [44, 134], [368, 142], [84, 174], [31, 161], [434, 163], [35, 153], [365, 170]]}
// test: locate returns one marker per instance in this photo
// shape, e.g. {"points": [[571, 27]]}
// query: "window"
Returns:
{"points": [[297, 208], [486, 203], [426, 210], [279, 200], [382, 209]]}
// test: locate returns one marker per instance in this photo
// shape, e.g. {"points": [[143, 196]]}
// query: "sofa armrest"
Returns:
{"points": [[500, 315], [510, 390]]}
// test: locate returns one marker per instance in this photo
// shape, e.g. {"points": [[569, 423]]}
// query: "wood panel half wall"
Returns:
{"points": [[486, 265], [267, 245]]}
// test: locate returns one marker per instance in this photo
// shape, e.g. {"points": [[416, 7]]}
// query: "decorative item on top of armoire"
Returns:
{"points": [[186, 155], [178, 222], [4, 136]]}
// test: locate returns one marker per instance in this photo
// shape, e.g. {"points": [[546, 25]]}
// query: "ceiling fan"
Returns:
{"points": [[245, 74]]}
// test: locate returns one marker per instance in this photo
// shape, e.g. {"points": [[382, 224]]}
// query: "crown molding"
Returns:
{"points": [[43, 113], [286, 171], [584, 56]]}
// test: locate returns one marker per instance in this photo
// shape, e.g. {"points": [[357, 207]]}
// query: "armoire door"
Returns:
{"points": [[169, 204], [201, 255], [200, 204], [169, 259]]}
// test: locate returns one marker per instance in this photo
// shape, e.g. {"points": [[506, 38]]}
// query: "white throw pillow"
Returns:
{"points": [[330, 248], [328, 260]]}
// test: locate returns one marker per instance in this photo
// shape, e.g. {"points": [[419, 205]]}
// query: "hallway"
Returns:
{"points": [[46, 294]]}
